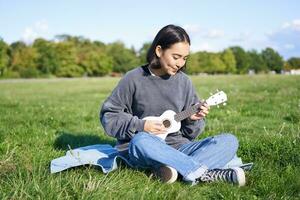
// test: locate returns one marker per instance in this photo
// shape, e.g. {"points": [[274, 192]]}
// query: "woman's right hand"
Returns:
{"points": [[154, 127]]}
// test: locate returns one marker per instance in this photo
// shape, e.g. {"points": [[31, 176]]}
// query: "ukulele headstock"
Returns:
{"points": [[217, 98]]}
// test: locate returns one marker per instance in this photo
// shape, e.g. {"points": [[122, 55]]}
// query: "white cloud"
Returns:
{"points": [[192, 29], [294, 25], [41, 26], [289, 46], [214, 34], [241, 37], [37, 30], [269, 33], [29, 35], [287, 39], [205, 46], [195, 31], [285, 25]]}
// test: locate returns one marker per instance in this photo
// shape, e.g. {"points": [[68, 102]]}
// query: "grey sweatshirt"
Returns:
{"points": [[138, 95]]}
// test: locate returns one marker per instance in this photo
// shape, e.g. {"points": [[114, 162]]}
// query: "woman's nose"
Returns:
{"points": [[180, 64]]}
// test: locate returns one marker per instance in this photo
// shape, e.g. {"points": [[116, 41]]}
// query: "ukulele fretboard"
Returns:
{"points": [[188, 112]]}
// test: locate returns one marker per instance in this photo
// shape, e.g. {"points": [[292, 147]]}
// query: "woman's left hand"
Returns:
{"points": [[204, 110]]}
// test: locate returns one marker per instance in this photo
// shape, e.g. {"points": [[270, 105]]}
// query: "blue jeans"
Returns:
{"points": [[191, 160]]}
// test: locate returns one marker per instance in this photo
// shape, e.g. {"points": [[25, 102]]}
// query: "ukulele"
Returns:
{"points": [[172, 120]]}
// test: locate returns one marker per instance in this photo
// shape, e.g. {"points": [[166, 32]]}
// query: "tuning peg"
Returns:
{"points": [[224, 104]]}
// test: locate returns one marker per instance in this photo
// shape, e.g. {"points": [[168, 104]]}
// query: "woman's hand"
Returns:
{"points": [[154, 127], [204, 110]]}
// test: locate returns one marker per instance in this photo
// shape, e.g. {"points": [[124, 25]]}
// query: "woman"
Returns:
{"points": [[151, 89]]}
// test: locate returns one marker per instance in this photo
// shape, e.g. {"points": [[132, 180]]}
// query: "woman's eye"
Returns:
{"points": [[175, 57]]}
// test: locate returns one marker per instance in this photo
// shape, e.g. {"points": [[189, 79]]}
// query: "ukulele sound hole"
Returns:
{"points": [[167, 123]]}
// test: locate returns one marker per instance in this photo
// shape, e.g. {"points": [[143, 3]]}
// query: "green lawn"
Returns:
{"points": [[40, 118]]}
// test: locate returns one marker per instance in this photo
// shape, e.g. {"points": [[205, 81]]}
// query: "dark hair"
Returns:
{"points": [[166, 37]]}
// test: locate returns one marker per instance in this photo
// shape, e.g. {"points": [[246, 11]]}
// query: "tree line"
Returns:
{"points": [[73, 56]]}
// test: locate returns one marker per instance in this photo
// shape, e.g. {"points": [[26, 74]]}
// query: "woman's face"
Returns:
{"points": [[173, 58]]}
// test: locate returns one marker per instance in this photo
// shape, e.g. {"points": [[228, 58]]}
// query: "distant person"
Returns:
{"points": [[151, 89]]}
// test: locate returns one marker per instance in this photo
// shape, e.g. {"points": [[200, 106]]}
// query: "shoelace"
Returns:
{"points": [[217, 174]]}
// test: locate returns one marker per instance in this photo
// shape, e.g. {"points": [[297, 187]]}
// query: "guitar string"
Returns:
{"points": [[188, 112]]}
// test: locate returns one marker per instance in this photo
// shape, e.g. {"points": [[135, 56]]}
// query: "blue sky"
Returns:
{"points": [[213, 25]]}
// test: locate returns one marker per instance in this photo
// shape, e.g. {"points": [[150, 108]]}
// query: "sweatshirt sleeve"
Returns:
{"points": [[191, 128], [116, 113]]}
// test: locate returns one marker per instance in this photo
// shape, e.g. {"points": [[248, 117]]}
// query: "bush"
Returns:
{"points": [[29, 72], [11, 74], [70, 71]]}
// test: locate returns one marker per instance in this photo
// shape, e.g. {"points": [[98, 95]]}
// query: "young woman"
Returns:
{"points": [[150, 90]]}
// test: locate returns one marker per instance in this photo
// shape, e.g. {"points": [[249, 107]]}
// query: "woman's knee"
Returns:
{"points": [[228, 140], [141, 140], [142, 147]]}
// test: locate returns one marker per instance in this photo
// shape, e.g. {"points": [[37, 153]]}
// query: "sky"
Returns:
{"points": [[212, 25]]}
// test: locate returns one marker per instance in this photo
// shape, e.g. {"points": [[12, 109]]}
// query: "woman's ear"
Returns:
{"points": [[158, 51]]}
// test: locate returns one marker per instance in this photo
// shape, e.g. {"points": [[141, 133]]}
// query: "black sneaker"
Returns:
{"points": [[246, 166], [166, 174], [233, 175]]}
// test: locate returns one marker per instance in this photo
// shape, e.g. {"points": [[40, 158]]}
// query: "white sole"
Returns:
{"points": [[171, 174], [174, 177], [240, 175]]}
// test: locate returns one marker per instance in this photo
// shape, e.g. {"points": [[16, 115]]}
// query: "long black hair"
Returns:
{"points": [[166, 37]]}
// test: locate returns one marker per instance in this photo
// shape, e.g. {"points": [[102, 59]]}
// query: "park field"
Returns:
{"points": [[41, 119]]}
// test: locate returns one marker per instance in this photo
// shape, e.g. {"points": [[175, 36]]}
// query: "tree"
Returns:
{"points": [[123, 59], [17, 45], [215, 64], [99, 44], [272, 59], [23, 60], [193, 64], [47, 62], [228, 59], [203, 61], [4, 58], [242, 59], [287, 66], [97, 63], [294, 62], [93, 57], [142, 53], [66, 59], [257, 63], [73, 39]]}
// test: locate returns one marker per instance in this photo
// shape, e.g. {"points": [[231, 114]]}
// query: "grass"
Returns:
{"points": [[40, 118]]}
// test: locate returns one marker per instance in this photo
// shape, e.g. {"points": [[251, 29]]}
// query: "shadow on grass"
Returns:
{"points": [[66, 140]]}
